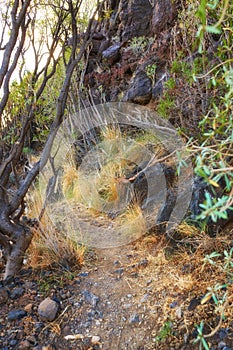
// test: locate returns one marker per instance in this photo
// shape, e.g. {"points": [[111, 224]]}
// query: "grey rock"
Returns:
{"points": [[179, 312], [39, 326], [90, 298], [134, 318], [140, 90], [83, 274], [48, 309], [16, 314], [13, 342], [95, 339], [119, 271], [112, 54], [17, 293], [157, 90], [221, 345], [144, 298], [223, 332], [135, 17], [173, 304]]}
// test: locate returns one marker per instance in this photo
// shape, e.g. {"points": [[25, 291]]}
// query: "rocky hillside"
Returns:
{"points": [[130, 51], [145, 52]]}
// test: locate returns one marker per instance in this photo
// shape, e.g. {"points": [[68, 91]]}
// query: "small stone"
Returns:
{"points": [[83, 274], [16, 314], [66, 330], [134, 318], [28, 307], [194, 303], [223, 333], [3, 295], [48, 309], [173, 305], [17, 293], [95, 340], [221, 345], [32, 339], [24, 345], [143, 263], [90, 298], [48, 347], [127, 306], [119, 271], [13, 342], [39, 326], [179, 312]]}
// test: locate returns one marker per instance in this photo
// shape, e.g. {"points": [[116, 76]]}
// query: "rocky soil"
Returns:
{"points": [[142, 296]]}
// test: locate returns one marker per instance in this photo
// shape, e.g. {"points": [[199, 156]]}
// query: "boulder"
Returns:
{"points": [[135, 17], [140, 90], [112, 54]]}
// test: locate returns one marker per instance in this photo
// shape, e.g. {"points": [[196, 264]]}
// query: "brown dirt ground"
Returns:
{"points": [[149, 297]]}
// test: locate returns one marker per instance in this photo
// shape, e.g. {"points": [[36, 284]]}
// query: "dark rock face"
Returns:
{"points": [[112, 54], [113, 61], [164, 13], [141, 89], [158, 88], [135, 17]]}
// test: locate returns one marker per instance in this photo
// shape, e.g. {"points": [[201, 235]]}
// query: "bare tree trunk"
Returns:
{"points": [[15, 235], [17, 253]]}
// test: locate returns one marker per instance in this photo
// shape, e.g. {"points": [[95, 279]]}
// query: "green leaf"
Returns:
{"points": [[213, 30], [206, 346]]}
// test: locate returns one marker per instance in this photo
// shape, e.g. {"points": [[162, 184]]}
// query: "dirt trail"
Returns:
{"points": [[140, 296]]}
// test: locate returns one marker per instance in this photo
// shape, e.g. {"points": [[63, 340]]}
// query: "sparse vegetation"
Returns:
{"points": [[151, 71], [141, 45], [183, 286]]}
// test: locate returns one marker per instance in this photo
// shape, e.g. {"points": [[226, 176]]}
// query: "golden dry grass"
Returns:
{"points": [[181, 274], [49, 246], [69, 180]]}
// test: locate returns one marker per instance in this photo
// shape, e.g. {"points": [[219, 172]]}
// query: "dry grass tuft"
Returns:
{"points": [[181, 274], [131, 222], [49, 246], [69, 181]]}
